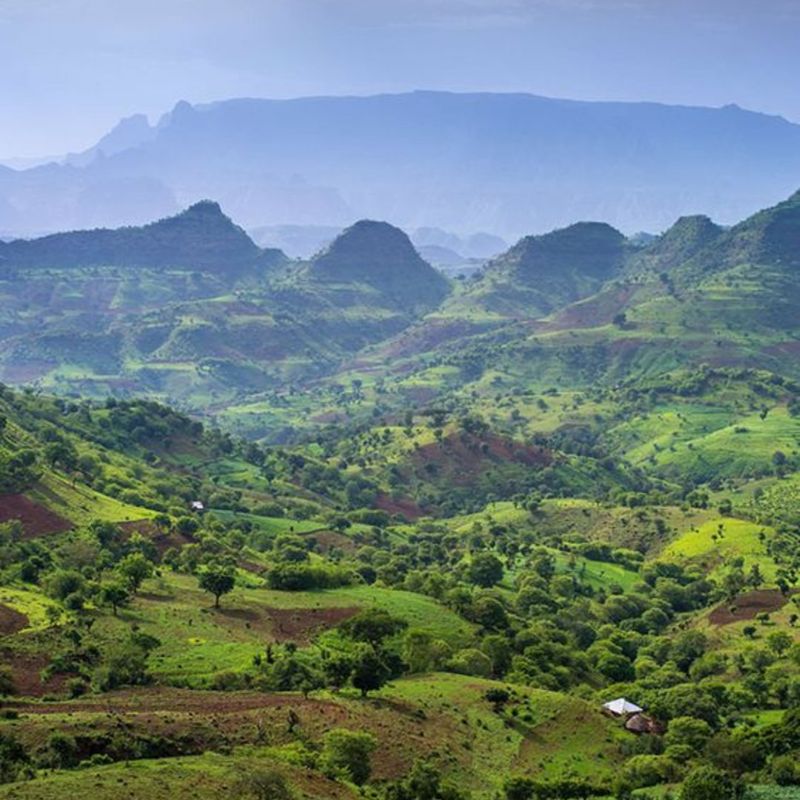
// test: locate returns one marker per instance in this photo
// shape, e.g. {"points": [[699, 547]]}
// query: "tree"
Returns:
{"points": [[186, 526], [519, 788], [497, 697], [424, 782], [134, 569], [370, 671], [63, 583], [347, 753], [754, 577], [217, 579], [263, 784], [485, 570], [17, 471], [373, 625], [779, 642], [61, 454], [13, 758], [6, 680], [735, 754], [688, 731], [471, 661], [710, 783], [114, 594], [337, 669], [61, 751], [489, 613], [418, 650], [785, 771]]}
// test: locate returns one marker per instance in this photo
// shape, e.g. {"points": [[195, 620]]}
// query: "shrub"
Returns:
{"points": [[710, 783], [347, 754], [784, 771], [262, 784]]}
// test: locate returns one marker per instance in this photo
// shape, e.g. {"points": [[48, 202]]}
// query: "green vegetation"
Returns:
{"points": [[432, 530]]}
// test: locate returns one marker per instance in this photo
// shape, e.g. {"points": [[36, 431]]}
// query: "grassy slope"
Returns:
{"points": [[439, 716]]}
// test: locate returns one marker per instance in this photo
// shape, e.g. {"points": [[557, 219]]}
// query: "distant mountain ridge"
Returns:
{"points": [[511, 164]]}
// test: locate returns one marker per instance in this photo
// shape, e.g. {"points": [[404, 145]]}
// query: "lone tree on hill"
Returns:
{"points": [[134, 570], [370, 671], [114, 594], [218, 580]]}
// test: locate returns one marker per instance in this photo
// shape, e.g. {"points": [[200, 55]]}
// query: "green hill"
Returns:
{"points": [[182, 611], [200, 238], [381, 257]]}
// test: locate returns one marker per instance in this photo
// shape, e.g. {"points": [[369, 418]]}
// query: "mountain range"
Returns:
{"points": [[508, 164], [191, 310]]}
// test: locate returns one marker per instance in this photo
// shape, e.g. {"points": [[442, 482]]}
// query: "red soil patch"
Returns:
{"points": [[328, 540], [161, 698], [161, 540], [297, 625], [250, 566], [25, 673], [420, 395], [600, 310], [26, 373], [432, 334], [244, 717], [461, 458], [11, 621], [328, 418], [36, 520], [404, 506], [748, 606], [791, 349]]}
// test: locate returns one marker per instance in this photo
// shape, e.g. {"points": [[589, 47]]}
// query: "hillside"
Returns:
{"points": [[577, 307], [512, 164], [191, 309], [382, 257], [543, 273], [364, 610], [200, 238]]}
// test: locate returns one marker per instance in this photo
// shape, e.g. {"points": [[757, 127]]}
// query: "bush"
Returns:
{"points": [[689, 731], [471, 662], [60, 752], [347, 754], [784, 771], [641, 771], [77, 687], [14, 760], [294, 577], [709, 783], [262, 784]]}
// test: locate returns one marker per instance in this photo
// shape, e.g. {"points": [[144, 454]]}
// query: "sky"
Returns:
{"points": [[70, 69]]}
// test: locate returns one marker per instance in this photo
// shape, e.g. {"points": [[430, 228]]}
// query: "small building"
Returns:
{"points": [[197, 505], [621, 707]]}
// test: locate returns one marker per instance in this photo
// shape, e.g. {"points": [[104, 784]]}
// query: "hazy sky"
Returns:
{"points": [[69, 69]]}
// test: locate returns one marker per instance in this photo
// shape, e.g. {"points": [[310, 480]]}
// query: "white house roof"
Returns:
{"points": [[621, 706]]}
